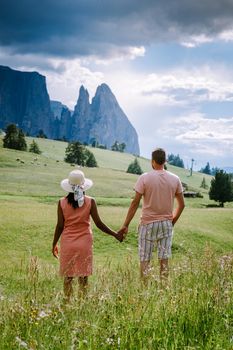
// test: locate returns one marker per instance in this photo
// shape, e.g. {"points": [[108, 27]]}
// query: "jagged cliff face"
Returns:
{"points": [[24, 100], [103, 120], [62, 124], [81, 120]]}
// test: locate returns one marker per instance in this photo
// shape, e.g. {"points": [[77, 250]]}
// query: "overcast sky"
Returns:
{"points": [[169, 64]]}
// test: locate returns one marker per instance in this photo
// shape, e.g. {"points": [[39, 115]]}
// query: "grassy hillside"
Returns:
{"points": [[194, 312], [34, 181], [114, 160], [53, 153]]}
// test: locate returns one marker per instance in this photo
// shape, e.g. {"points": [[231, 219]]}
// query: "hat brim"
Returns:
{"points": [[66, 186]]}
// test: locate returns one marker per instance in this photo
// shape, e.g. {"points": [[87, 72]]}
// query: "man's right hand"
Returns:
{"points": [[119, 236], [123, 231]]}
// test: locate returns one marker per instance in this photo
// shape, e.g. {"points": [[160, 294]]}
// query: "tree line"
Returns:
{"points": [[208, 170], [15, 139], [221, 189]]}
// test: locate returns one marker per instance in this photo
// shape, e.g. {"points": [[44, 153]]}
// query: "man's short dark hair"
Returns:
{"points": [[159, 156]]}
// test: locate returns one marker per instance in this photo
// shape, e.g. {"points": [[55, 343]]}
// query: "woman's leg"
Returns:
{"points": [[68, 288], [83, 284]]}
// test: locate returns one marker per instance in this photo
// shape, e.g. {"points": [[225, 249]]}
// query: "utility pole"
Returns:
{"points": [[191, 169]]}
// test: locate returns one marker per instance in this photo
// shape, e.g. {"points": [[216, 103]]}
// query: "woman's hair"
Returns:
{"points": [[71, 201]]}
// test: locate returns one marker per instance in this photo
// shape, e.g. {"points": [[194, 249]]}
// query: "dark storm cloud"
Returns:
{"points": [[75, 27]]}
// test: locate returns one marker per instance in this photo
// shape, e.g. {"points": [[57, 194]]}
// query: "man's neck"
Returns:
{"points": [[159, 167]]}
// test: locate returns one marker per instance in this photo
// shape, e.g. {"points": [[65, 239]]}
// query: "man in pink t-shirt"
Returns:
{"points": [[158, 188]]}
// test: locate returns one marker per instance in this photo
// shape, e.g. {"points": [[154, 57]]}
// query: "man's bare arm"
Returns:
{"points": [[101, 225], [131, 212], [180, 207]]}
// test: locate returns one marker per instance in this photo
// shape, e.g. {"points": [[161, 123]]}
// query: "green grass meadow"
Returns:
{"points": [[195, 309]]}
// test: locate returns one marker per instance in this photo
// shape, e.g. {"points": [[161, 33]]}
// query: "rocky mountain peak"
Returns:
{"points": [[104, 98], [83, 103], [83, 93], [103, 121], [103, 89]]}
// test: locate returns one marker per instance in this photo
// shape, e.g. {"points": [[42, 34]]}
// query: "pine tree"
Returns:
{"points": [[134, 168], [221, 189], [34, 148], [90, 159], [41, 134], [10, 140], [21, 141], [14, 138], [75, 153], [175, 160], [115, 146], [206, 169], [203, 183], [121, 147], [118, 147]]}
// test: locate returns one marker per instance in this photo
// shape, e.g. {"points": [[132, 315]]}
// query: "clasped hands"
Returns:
{"points": [[121, 234]]}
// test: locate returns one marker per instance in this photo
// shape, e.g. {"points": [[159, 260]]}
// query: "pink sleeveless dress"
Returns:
{"points": [[76, 240]]}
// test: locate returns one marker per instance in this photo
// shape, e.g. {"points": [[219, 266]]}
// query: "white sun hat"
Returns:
{"points": [[76, 178]]}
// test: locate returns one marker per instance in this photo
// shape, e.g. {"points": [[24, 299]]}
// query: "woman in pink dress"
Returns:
{"points": [[74, 228]]}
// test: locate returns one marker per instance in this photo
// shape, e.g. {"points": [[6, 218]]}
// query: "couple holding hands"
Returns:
{"points": [[159, 188]]}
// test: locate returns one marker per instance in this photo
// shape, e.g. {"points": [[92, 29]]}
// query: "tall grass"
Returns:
{"points": [[194, 310]]}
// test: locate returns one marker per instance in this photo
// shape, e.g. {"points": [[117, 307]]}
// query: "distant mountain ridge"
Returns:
{"points": [[24, 100]]}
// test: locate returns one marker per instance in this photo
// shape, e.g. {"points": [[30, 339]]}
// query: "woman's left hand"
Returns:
{"points": [[55, 251]]}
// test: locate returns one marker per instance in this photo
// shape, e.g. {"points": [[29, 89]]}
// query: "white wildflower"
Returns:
{"points": [[103, 297], [43, 314], [22, 343], [110, 341]]}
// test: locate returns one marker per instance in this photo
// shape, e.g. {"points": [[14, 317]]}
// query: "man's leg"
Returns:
{"points": [[145, 245], [144, 269], [164, 248], [164, 271]]}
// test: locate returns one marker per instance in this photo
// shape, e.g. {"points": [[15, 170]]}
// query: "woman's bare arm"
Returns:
{"points": [[58, 229], [131, 212], [99, 223]]}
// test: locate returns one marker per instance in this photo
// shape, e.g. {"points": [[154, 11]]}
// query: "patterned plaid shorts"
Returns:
{"points": [[159, 233]]}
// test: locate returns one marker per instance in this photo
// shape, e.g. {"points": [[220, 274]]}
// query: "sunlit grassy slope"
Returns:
{"points": [[113, 160], [30, 189], [194, 312], [47, 170]]}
